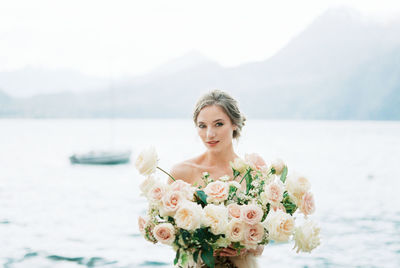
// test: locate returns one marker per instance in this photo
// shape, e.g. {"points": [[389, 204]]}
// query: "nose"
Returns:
{"points": [[210, 133]]}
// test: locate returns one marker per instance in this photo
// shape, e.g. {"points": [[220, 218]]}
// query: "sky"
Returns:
{"points": [[127, 37]]}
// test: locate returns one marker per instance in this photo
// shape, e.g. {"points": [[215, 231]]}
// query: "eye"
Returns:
{"points": [[219, 124], [202, 126]]}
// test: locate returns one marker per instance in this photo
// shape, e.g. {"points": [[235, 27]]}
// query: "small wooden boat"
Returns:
{"points": [[101, 158]]}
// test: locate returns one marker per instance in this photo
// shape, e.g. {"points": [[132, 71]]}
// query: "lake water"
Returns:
{"points": [[54, 214]]}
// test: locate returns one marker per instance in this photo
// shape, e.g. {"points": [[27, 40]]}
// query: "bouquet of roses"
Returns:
{"points": [[196, 221]]}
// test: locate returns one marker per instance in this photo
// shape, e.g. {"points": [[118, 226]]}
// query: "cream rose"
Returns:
{"points": [[147, 184], [216, 192], [164, 233], [239, 165], [170, 203], [215, 217], [307, 205], [279, 225], [306, 237], [185, 188], [146, 162], [278, 165], [189, 216], [253, 234], [234, 210], [142, 224], [255, 161], [297, 186], [235, 230], [251, 214]]}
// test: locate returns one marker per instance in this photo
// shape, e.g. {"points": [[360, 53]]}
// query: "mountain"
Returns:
{"points": [[341, 66], [29, 81]]}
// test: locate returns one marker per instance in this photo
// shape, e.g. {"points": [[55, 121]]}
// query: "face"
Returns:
{"points": [[215, 128]]}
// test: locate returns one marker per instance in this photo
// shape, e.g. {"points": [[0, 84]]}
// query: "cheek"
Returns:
{"points": [[227, 131]]}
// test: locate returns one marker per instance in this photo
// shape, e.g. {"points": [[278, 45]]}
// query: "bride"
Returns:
{"points": [[218, 121]]}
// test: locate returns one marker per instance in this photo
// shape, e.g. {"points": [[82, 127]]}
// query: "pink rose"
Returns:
{"points": [[255, 161], [235, 230], [253, 234], [156, 192], [251, 214], [278, 206], [307, 205], [171, 201], [142, 224], [273, 192], [216, 192], [234, 210], [185, 188], [164, 233]]}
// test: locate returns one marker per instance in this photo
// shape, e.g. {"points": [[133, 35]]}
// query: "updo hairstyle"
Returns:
{"points": [[229, 104]]}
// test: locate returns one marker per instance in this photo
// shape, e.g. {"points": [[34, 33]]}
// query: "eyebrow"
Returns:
{"points": [[213, 121]]}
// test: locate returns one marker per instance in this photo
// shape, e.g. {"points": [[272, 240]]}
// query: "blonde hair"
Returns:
{"points": [[229, 104]]}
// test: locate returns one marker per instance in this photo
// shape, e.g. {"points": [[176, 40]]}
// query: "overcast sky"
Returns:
{"points": [[133, 37]]}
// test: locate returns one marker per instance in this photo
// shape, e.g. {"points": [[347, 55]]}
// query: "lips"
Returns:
{"points": [[212, 143]]}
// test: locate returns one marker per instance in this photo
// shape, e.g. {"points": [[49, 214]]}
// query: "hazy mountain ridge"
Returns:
{"points": [[340, 67]]}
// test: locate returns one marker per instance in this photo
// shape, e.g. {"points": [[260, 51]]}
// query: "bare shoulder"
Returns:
{"points": [[185, 171]]}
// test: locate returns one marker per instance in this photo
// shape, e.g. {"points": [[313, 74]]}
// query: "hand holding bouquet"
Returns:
{"points": [[245, 211]]}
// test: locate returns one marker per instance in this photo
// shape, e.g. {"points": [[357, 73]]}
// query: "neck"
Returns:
{"points": [[218, 158]]}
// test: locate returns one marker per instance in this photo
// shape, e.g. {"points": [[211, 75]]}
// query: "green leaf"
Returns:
{"points": [[185, 236], [235, 173], [207, 256], [202, 196], [284, 174], [200, 234], [248, 183], [176, 257], [184, 259], [232, 190]]}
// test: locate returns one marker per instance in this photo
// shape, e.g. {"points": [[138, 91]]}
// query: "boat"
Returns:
{"points": [[101, 157]]}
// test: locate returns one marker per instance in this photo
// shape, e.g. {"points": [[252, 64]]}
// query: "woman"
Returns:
{"points": [[218, 121]]}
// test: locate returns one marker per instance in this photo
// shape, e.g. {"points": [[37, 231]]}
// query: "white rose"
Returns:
{"points": [[278, 165], [235, 230], [189, 216], [306, 237], [146, 162], [239, 165], [297, 186], [147, 184], [215, 217], [273, 192], [164, 233], [279, 225]]}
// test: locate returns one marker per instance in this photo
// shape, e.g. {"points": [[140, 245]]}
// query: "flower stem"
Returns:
{"points": [[245, 175], [166, 173]]}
